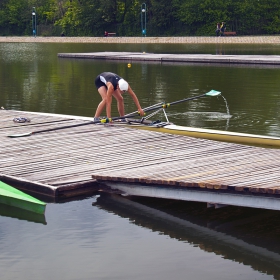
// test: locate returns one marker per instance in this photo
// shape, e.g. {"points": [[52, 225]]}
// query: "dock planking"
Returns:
{"points": [[74, 161], [178, 58]]}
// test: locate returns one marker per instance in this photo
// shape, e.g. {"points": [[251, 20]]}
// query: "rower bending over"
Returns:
{"points": [[109, 84]]}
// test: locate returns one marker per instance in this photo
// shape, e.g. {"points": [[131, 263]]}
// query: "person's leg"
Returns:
{"points": [[103, 93], [120, 102]]}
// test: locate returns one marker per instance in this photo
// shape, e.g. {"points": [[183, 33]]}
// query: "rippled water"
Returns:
{"points": [[33, 78], [111, 237], [114, 237]]}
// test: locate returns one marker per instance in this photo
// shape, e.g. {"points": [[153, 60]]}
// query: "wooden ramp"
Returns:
{"points": [[67, 162]]}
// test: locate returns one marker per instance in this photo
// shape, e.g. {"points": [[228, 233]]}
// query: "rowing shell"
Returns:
{"points": [[218, 135]]}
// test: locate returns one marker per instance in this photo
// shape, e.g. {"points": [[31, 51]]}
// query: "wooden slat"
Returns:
{"points": [[117, 153]]}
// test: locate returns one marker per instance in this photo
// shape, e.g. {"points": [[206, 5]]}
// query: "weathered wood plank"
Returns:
{"points": [[72, 156]]}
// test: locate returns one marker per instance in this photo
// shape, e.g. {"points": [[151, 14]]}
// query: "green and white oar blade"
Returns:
{"points": [[213, 93], [20, 135]]}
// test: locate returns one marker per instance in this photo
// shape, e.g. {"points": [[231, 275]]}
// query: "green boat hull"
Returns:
{"points": [[13, 197]]}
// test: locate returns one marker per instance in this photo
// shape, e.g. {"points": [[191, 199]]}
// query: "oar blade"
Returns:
{"points": [[20, 135], [213, 93]]}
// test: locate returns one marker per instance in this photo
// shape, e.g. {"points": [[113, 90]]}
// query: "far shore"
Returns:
{"points": [[147, 40]]}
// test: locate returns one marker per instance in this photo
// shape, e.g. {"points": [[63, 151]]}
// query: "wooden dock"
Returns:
{"points": [[68, 162], [177, 58]]}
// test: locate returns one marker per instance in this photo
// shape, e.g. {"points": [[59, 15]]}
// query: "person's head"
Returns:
{"points": [[123, 85]]}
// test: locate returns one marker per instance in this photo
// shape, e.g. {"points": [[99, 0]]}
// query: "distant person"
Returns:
{"points": [[110, 84], [62, 34], [105, 34], [223, 28], [218, 29]]}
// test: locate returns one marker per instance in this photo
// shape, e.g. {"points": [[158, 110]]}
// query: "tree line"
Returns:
{"points": [[126, 17]]}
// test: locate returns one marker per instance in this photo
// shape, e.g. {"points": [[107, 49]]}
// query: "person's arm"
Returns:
{"points": [[110, 90], [136, 101]]}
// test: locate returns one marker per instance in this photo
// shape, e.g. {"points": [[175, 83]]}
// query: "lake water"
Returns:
{"points": [[113, 237]]}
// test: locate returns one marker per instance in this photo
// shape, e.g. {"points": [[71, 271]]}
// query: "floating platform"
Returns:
{"points": [[179, 58], [228, 233], [82, 159]]}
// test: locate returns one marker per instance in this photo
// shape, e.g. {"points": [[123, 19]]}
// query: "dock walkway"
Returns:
{"points": [[67, 162], [177, 58]]}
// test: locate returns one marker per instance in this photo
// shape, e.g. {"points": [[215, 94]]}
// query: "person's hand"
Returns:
{"points": [[141, 112]]}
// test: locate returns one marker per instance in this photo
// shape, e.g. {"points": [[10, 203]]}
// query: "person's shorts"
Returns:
{"points": [[98, 83]]}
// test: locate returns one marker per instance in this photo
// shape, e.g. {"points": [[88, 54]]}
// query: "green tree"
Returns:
{"points": [[18, 16], [202, 15], [164, 17], [269, 21]]}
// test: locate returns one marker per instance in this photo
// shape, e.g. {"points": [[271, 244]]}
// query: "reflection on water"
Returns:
{"points": [[142, 238], [35, 79], [237, 234], [112, 237], [21, 214], [21, 52]]}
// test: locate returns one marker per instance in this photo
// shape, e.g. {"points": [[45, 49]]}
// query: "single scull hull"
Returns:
{"points": [[218, 135]]}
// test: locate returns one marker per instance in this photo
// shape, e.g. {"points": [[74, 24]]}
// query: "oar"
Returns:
{"points": [[69, 126], [210, 93], [106, 120], [151, 108], [166, 105]]}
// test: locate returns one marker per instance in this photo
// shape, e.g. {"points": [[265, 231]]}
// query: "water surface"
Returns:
{"points": [[33, 78], [114, 237]]}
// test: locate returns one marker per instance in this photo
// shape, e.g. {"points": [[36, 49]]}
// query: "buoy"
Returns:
{"points": [[128, 65]]}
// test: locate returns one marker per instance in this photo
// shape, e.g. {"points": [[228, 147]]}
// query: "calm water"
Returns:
{"points": [[112, 237]]}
